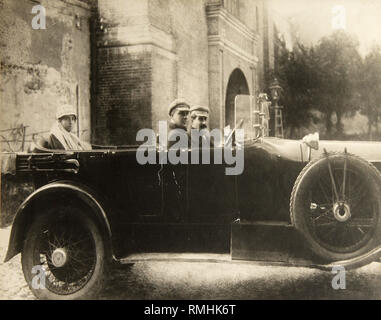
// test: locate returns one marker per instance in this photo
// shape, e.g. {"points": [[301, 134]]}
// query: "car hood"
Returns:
{"points": [[296, 150]]}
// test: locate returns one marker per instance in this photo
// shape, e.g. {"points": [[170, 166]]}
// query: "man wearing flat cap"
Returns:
{"points": [[178, 112], [199, 126]]}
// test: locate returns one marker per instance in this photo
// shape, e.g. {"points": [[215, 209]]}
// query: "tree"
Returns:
{"points": [[324, 77], [338, 66], [370, 88], [297, 73]]}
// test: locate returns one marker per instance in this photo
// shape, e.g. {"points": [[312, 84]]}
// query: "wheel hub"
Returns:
{"points": [[59, 257], [341, 212]]}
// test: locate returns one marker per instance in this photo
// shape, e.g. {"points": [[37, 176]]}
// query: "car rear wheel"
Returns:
{"points": [[335, 204], [64, 255]]}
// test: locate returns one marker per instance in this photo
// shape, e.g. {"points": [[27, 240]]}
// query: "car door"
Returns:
{"points": [[199, 192], [134, 190], [211, 192]]}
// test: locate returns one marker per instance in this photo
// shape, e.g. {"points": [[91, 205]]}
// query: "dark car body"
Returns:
{"points": [[184, 207]]}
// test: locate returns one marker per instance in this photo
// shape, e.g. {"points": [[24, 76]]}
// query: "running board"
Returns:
{"points": [[226, 258], [178, 257], [201, 257], [272, 241]]}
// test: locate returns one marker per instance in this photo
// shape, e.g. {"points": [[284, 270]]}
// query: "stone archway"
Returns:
{"points": [[237, 84]]}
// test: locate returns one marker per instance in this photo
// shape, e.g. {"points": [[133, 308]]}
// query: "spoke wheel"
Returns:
{"points": [[336, 205], [69, 248]]}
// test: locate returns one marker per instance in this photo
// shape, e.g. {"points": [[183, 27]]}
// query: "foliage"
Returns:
{"points": [[339, 64], [370, 88], [324, 77], [297, 74]]}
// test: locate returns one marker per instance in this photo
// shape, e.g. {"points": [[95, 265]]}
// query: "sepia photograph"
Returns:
{"points": [[196, 151]]}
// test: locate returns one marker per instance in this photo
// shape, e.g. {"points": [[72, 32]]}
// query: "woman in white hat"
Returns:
{"points": [[60, 136]]}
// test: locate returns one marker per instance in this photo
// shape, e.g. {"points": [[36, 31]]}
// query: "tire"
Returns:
{"points": [[338, 225], [64, 232]]}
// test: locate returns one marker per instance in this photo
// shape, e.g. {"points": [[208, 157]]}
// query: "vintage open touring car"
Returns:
{"points": [[307, 202]]}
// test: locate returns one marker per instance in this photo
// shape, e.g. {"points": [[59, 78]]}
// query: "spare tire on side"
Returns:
{"points": [[335, 204]]}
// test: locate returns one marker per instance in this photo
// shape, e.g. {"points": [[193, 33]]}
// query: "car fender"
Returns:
{"points": [[75, 189]]}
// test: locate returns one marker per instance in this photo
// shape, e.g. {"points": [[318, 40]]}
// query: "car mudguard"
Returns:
{"points": [[76, 190]]}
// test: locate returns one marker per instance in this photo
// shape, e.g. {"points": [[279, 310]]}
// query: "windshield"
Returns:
{"points": [[256, 114]]}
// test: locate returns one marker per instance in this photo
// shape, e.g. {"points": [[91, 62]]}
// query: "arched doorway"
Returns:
{"points": [[237, 85]]}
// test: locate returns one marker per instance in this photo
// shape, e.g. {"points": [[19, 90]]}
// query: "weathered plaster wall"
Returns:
{"points": [[41, 68]]}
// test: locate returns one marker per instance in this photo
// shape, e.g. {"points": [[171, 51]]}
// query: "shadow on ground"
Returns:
{"points": [[180, 280]]}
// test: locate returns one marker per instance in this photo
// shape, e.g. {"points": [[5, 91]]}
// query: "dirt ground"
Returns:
{"points": [[195, 280]]}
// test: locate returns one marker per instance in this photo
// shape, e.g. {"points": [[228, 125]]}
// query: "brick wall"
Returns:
{"points": [[122, 72], [123, 103]]}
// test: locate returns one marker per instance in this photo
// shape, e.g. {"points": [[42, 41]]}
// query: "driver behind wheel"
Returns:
{"points": [[178, 112]]}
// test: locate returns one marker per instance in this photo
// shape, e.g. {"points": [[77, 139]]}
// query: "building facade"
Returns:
{"points": [[150, 52], [122, 62]]}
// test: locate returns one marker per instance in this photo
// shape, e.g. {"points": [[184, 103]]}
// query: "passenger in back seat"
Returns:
{"points": [[60, 136]]}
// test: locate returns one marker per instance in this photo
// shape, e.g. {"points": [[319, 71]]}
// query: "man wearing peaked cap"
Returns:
{"points": [[199, 124], [178, 112], [199, 117]]}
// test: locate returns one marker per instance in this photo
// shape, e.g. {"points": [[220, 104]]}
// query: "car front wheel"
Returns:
{"points": [[336, 205]]}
